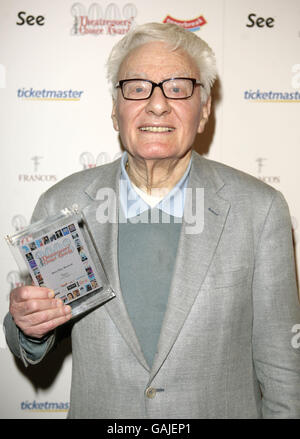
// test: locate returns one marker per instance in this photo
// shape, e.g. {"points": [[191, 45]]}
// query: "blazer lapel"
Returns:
{"points": [[105, 192], [193, 247], [194, 255]]}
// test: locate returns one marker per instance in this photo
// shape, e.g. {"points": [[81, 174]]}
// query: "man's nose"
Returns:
{"points": [[158, 104]]}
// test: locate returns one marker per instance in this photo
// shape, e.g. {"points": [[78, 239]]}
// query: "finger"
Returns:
{"points": [[36, 305], [39, 317], [28, 292], [30, 323], [39, 331]]}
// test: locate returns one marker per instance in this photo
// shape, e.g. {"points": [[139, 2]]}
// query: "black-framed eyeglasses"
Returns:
{"points": [[172, 88]]}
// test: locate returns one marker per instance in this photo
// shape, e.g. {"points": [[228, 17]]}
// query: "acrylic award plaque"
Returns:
{"points": [[54, 252]]}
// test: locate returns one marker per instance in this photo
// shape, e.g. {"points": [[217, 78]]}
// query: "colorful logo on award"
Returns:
{"points": [[192, 25]]}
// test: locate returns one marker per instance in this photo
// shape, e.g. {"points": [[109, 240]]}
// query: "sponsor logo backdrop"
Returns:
{"points": [[55, 120]]}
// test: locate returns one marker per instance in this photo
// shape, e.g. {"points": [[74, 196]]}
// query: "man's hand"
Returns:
{"points": [[35, 310]]}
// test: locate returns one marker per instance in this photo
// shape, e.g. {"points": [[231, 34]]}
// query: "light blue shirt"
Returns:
{"points": [[133, 205]]}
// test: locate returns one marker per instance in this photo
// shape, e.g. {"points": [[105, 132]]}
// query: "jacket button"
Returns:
{"points": [[150, 392]]}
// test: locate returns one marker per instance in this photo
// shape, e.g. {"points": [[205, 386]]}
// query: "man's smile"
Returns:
{"points": [[156, 129]]}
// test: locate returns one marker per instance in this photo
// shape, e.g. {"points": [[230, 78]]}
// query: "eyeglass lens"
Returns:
{"points": [[174, 89]]}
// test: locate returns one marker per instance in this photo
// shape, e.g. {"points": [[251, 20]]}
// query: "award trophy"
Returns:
{"points": [[54, 252]]}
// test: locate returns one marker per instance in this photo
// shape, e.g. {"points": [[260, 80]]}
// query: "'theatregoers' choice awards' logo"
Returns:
{"points": [[2, 76], [13, 277], [96, 22], [191, 25], [88, 160]]}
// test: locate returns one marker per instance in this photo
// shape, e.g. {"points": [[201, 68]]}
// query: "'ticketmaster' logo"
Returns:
{"points": [[192, 25]]}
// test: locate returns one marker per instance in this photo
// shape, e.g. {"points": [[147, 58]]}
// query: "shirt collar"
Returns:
{"points": [[132, 204]]}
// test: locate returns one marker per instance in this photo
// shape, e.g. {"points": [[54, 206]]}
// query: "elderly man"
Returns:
{"points": [[201, 324]]}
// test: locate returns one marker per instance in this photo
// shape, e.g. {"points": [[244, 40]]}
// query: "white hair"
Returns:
{"points": [[173, 35]]}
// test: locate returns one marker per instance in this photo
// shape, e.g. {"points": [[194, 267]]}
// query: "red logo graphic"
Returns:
{"points": [[192, 25]]}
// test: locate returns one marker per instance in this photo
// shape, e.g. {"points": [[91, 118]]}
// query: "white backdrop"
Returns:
{"points": [[55, 120]]}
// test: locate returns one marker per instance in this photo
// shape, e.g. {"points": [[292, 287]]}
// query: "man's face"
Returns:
{"points": [[154, 61]]}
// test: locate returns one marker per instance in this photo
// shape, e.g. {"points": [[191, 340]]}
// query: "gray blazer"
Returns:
{"points": [[225, 346]]}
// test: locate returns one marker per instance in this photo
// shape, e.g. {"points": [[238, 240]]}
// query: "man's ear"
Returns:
{"points": [[205, 115], [114, 116]]}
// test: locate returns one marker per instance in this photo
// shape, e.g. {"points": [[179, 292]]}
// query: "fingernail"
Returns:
{"points": [[68, 309], [50, 294]]}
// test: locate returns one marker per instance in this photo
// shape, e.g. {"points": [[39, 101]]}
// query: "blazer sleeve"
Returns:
{"points": [[276, 311], [29, 351]]}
